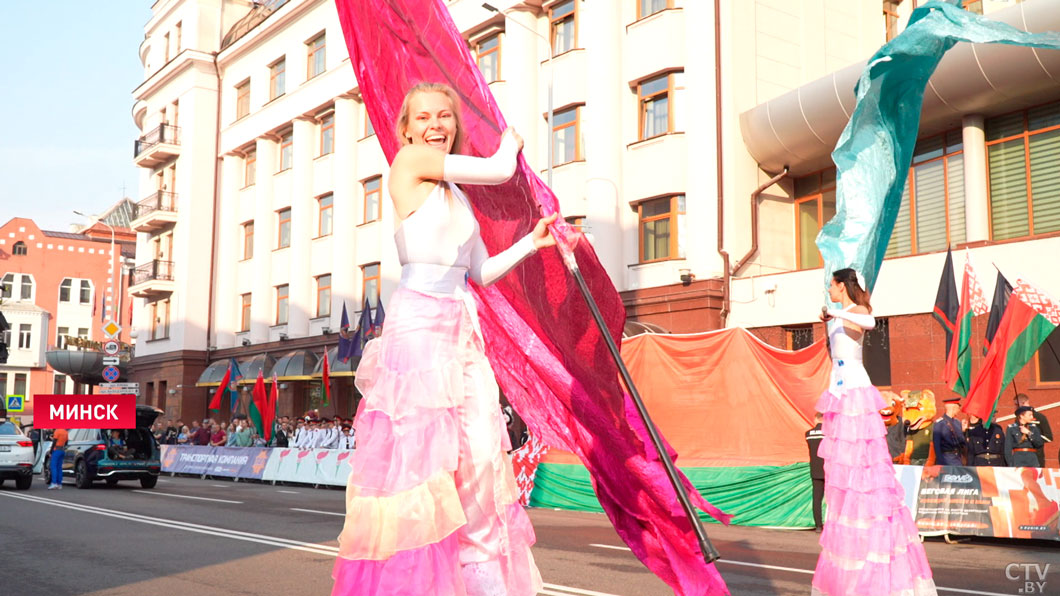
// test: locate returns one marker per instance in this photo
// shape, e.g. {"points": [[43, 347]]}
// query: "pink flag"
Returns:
{"points": [[547, 353]]}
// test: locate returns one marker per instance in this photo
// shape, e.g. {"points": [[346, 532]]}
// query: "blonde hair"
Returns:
{"points": [[403, 115]]}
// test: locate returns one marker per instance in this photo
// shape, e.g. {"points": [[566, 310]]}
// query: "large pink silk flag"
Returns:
{"points": [[549, 357]]}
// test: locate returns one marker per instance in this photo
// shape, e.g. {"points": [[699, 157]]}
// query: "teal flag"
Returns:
{"points": [[874, 152]]}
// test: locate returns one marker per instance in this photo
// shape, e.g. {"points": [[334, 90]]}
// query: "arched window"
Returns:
{"points": [[64, 290], [6, 284], [19, 249]]}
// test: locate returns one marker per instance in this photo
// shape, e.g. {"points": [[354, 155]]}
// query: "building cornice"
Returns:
{"points": [[186, 60]]}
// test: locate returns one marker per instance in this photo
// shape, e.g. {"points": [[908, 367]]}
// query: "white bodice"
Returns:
{"points": [[441, 232], [848, 370]]}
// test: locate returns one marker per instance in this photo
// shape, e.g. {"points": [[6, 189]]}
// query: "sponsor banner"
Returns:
{"points": [[310, 466], [985, 501], [234, 462], [85, 411]]}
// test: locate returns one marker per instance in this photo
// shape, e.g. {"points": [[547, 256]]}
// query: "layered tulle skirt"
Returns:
{"points": [[432, 504], [870, 545]]}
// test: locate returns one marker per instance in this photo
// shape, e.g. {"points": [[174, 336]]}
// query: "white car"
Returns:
{"points": [[16, 455]]}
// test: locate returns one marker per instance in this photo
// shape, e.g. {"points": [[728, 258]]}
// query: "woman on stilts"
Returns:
{"points": [[870, 545], [431, 504]]}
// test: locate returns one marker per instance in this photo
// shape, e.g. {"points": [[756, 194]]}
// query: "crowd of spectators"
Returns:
{"points": [[308, 432]]}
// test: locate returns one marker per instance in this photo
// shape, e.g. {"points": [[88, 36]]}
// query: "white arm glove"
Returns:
{"points": [[465, 169], [486, 269], [863, 320]]}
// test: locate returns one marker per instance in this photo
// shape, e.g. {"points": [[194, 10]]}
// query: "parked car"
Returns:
{"points": [[16, 455], [94, 454]]}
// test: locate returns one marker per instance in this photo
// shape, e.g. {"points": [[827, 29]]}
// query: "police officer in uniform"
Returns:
{"points": [[986, 447], [1023, 439], [1022, 399], [949, 436], [813, 441]]}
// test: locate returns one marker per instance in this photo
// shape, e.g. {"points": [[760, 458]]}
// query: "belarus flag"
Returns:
{"points": [[1031, 315]]}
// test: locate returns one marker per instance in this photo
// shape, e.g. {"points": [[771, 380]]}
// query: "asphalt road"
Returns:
{"points": [[217, 537]]}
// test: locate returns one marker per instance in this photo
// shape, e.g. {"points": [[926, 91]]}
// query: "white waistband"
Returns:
{"points": [[433, 279]]}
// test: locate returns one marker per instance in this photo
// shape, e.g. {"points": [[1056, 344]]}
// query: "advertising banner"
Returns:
{"points": [[310, 466], [234, 462]]}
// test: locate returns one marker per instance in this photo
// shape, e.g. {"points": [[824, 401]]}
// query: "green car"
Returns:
{"points": [[112, 455]]}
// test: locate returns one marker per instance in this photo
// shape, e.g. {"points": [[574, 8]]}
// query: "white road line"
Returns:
{"points": [[288, 492], [158, 494], [320, 549], [567, 590], [220, 485], [809, 572], [321, 512]]}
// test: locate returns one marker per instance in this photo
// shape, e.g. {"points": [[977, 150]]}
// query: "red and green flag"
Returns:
{"points": [[270, 408], [258, 405], [230, 384], [326, 379], [958, 371], [946, 304], [1030, 317]]}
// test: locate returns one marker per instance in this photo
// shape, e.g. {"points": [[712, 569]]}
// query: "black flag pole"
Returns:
{"points": [[710, 554]]}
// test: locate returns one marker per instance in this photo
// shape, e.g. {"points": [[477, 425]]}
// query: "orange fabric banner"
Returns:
{"points": [[726, 398]]}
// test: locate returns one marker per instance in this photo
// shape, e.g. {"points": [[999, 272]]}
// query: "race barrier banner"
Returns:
{"points": [[233, 462], [309, 466]]}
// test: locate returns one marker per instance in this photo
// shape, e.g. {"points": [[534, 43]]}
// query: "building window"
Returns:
{"points": [[324, 295], [6, 284], [283, 300], [660, 223], [250, 168], [566, 135], [315, 60], [60, 337], [327, 133], [25, 336], [372, 193], [1022, 151], [19, 249], [488, 57], [248, 240], [797, 338], [931, 215], [160, 319], [369, 130], [890, 17], [26, 292], [324, 218], [64, 289], [974, 6], [563, 28], [877, 350], [1049, 359], [660, 104], [649, 7], [20, 384], [244, 313], [59, 384], [814, 206], [284, 232], [370, 284], [286, 151], [86, 292], [277, 78], [82, 332], [242, 99]]}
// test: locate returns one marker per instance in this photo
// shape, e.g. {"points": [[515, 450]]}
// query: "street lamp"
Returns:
{"points": [[551, 79], [113, 268]]}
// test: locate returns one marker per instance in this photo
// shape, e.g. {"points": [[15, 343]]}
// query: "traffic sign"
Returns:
{"points": [[111, 361], [111, 373], [110, 348], [119, 388], [15, 403], [111, 328]]}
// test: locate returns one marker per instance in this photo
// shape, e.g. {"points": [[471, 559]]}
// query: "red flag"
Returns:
{"points": [[215, 403], [270, 407], [958, 371], [326, 379], [258, 404]]}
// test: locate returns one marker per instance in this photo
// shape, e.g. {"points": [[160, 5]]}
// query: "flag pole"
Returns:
{"points": [[710, 554]]}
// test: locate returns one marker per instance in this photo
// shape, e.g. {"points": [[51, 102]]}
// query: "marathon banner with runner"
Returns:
{"points": [[984, 501], [233, 462]]}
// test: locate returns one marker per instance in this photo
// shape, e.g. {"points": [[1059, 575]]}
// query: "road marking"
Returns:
{"points": [[220, 485], [309, 547], [321, 512], [567, 591], [288, 492], [158, 494], [808, 572]]}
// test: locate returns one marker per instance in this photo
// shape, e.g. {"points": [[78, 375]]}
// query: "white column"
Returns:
{"points": [[976, 205], [343, 279], [604, 206], [262, 301], [230, 238], [303, 229]]}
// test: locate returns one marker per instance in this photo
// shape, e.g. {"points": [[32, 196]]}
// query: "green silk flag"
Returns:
{"points": [[958, 371]]}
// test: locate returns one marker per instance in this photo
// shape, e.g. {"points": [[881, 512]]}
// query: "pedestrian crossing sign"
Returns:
{"points": [[15, 403]]}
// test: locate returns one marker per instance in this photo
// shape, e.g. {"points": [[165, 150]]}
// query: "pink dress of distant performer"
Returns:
{"points": [[432, 505]]}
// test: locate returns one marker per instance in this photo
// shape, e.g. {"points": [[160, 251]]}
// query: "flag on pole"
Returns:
{"points": [[102, 308], [1028, 320], [364, 327], [233, 386], [958, 371], [326, 379], [377, 323], [1002, 291], [345, 350], [270, 407], [228, 383], [258, 405], [946, 305]]}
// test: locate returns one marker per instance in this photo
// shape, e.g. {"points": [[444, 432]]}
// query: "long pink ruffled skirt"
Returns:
{"points": [[869, 545], [432, 506]]}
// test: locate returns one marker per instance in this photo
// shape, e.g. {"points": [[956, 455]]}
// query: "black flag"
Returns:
{"points": [[946, 302], [1002, 290]]}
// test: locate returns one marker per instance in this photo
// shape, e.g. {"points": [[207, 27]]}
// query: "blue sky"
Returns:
{"points": [[67, 70]]}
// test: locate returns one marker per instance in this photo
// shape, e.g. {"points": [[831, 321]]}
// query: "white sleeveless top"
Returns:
{"points": [[848, 371], [436, 242]]}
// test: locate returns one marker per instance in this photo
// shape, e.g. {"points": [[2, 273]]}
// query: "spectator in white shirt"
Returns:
{"points": [[346, 438]]}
